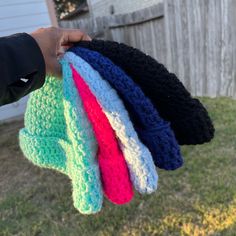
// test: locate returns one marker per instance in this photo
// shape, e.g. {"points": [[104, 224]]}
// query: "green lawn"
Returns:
{"points": [[199, 199]]}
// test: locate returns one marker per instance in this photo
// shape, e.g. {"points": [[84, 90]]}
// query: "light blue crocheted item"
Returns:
{"points": [[83, 166], [142, 169]]}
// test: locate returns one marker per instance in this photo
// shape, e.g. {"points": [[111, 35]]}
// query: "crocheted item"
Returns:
{"points": [[141, 167], [113, 168], [58, 135], [155, 133], [189, 119], [45, 127]]}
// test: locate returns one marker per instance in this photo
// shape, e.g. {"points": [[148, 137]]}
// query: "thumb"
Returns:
{"points": [[73, 36]]}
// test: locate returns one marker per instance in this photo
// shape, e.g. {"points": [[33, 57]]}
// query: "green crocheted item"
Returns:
{"points": [[58, 135]]}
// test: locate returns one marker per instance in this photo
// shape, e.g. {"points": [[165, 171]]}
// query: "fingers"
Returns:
{"points": [[53, 43], [86, 38], [72, 36], [65, 39]]}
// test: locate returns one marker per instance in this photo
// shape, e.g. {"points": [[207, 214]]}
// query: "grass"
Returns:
{"points": [[198, 199]]}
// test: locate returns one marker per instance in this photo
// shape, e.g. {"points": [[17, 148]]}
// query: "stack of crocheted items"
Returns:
{"points": [[155, 133], [138, 158], [102, 127], [114, 172], [187, 116]]}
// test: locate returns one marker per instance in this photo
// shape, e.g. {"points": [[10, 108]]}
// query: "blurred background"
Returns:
{"points": [[194, 39]]}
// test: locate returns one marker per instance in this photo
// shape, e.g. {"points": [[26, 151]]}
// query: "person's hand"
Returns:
{"points": [[53, 42]]}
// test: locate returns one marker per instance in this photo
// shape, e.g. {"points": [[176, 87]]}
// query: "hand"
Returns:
{"points": [[53, 42]]}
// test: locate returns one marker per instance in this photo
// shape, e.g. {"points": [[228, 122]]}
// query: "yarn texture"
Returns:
{"points": [[114, 172], [188, 117], [58, 135], [155, 133], [138, 158], [45, 127]]}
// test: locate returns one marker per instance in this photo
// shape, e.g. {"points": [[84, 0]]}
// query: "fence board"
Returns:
{"points": [[194, 39]]}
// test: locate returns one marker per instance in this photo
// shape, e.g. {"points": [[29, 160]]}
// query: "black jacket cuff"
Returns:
{"points": [[20, 58]]}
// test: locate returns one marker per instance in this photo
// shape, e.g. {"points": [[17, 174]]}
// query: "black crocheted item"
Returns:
{"points": [[188, 117]]}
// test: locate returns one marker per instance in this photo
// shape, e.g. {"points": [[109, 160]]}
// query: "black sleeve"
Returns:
{"points": [[20, 58]]}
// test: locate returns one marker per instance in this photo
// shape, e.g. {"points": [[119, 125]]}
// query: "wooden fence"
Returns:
{"points": [[194, 39]]}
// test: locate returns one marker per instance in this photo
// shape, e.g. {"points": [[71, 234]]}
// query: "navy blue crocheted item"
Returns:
{"points": [[188, 117], [155, 133]]}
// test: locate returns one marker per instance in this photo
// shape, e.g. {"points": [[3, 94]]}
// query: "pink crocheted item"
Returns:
{"points": [[116, 182]]}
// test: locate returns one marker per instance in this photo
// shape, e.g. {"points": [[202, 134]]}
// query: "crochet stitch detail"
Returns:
{"points": [[84, 170], [114, 172], [48, 142], [44, 127], [155, 133], [139, 160], [188, 117]]}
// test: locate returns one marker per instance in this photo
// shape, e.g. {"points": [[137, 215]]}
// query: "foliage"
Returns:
{"points": [[63, 7]]}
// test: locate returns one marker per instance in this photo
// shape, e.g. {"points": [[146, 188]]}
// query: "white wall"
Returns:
{"points": [[21, 16], [102, 7]]}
